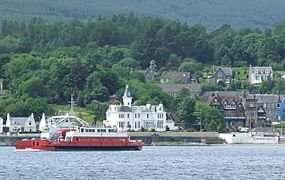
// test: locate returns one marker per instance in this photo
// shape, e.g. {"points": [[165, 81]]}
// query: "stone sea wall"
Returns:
{"points": [[149, 138]]}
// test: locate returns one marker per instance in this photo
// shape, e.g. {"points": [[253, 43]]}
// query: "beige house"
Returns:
{"points": [[21, 124]]}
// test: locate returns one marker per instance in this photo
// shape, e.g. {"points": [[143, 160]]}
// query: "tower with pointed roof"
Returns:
{"points": [[127, 98]]}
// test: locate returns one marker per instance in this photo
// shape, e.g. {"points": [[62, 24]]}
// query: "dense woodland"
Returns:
{"points": [[45, 62], [211, 13]]}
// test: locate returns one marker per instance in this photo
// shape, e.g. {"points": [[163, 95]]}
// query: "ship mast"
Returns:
{"points": [[72, 104]]}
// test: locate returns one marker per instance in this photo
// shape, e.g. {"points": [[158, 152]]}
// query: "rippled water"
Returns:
{"points": [[174, 162]]}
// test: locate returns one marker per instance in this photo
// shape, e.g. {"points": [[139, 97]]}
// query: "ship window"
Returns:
{"points": [[101, 130], [82, 130], [37, 143], [112, 130]]}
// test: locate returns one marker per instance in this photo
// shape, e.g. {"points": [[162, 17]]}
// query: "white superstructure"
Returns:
{"points": [[127, 117], [256, 136]]}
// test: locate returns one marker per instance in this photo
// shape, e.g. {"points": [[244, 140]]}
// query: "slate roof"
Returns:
{"points": [[224, 93], [124, 109], [3, 92], [176, 88], [19, 120], [267, 97], [145, 108], [227, 71], [175, 74], [261, 70], [264, 129]]}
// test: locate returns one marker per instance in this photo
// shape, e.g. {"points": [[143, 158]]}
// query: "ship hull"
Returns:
{"points": [[46, 145]]}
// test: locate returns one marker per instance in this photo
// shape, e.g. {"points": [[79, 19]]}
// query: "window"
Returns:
{"points": [[128, 115], [149, 124], [139, 124], [160, 116], [121, 124], [112, 130], [135, 125], [147, 115], [121, 115], [159, 124], [30, 123]]}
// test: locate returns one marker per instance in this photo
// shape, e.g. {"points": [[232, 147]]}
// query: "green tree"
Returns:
{"points": [[186, 110], [34, 87]]}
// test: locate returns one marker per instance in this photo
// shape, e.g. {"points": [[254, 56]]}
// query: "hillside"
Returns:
{"points": [[211, 13]]}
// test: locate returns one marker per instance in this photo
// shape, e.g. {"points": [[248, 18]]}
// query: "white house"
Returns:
{"points": [[128, 117], [259, 74], [21, 124], [1, 125]]}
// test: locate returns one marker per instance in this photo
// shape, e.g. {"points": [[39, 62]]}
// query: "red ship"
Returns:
{"points": [[82, 139], [69, 132]]}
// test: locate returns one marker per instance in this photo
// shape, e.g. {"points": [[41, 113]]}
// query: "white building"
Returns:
{"points": [[128, 117], [1, 125], [259, 74], [21, 124]]}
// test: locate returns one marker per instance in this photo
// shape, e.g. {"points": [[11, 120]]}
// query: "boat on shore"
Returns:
{"points": [[254, 136], [69, 133]]}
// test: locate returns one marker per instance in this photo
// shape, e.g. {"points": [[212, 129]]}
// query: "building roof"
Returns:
{"points": [[3, 92], [227, 71], [19, 120], [144, 108], [224, 93], [176, 88], [175, 74], [125, 109], [226, 103], [261, 70], [264, 129], [267, 97]]}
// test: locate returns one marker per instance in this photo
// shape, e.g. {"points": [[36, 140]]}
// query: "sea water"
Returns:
{"points": [[157, 162]]}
